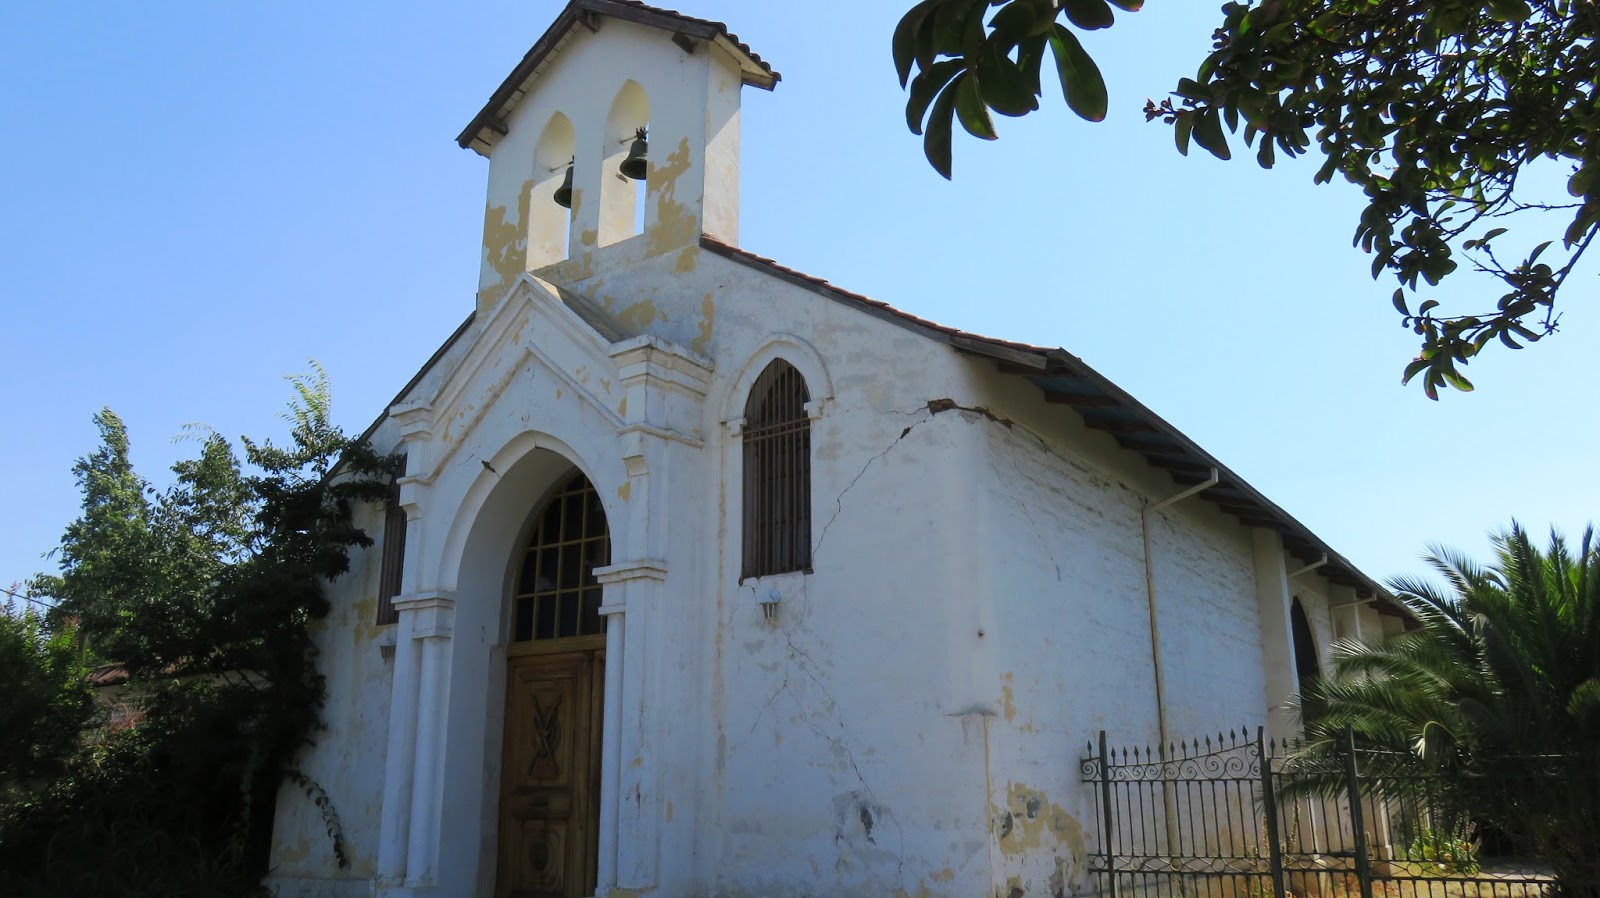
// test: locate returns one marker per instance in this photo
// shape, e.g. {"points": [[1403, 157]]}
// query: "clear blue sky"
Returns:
{"points": [[196, 197]]}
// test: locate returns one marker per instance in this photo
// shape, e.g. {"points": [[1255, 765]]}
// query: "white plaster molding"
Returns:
{"points": [[627, 571], [413, 489], [530, 322], [652, 362], [634, 461], [432, 613], [414, 418], [662, 433], [796, 351], [814, 410]]}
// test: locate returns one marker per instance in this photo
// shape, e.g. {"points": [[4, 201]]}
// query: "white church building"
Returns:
{"points": [[705, 577]]}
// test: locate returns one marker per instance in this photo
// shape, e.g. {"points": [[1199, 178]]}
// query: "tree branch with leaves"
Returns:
{"points": [[1436, 109]]}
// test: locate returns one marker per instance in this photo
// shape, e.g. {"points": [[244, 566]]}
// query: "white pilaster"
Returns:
{"points": [[634, 802], [394, 829], [428, 619], [1277, 640], [610, 748]]}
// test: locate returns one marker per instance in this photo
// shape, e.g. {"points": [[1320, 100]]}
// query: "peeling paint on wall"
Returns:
{"points": [[505, 245], [1035, 832], [708, 319], [1008, 698], [638, 317], [687, 260], [675, 225]]}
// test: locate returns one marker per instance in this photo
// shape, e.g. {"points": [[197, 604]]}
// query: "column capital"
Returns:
{"points": [[626, 571], [639, 570], [432, 613]]}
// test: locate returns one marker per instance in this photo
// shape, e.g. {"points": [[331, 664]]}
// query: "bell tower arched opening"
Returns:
{"points": [[549, 218], [623, 206]]}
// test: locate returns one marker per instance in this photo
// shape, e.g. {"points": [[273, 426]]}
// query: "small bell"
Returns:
{"points": [[636, 166], [563, 195]]}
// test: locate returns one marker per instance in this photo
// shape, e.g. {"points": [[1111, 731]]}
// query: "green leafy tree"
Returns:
{"points": [[1439, 110], [46, 700], [206, 592], [1496, 694]]}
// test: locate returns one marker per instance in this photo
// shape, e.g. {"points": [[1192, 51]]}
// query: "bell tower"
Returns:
{"points": [[615, 139]]}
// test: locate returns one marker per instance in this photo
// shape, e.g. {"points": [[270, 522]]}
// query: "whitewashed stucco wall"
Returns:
{"points": [[347, 762]]}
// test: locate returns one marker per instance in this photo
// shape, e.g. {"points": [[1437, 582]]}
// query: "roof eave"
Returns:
{"points": [[489, 124]]}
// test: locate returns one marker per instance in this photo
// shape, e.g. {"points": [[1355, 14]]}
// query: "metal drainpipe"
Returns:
{"points": [[1150, 596], [1310, 567]]}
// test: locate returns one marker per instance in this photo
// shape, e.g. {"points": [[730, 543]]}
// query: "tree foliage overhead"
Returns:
{"points": [[1496, 694], [206, 592], [1439, 110]]}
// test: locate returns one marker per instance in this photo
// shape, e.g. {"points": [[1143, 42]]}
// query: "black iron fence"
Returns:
{"points": [[1231, 818]]}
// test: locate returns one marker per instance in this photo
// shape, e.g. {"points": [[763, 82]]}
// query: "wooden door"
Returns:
{"points": [[550, 776]]}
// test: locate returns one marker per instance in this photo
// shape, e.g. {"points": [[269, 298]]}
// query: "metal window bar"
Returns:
{"points": [[777, 474], [556, 594]]}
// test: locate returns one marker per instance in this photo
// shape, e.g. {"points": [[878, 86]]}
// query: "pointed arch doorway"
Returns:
{"points": [[550, 761]]}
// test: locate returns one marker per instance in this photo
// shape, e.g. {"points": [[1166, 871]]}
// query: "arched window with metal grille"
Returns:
{"points": [[777, 473], [556, 594]]}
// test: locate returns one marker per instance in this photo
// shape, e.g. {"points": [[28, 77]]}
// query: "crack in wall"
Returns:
{"points": [[806, 667], [838, 501], [932, 408]]}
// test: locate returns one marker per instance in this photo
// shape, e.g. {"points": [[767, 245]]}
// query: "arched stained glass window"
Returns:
{"points": [[777, 473], [556, 594]]}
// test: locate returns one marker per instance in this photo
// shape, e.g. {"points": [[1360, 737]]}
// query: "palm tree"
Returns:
{"points": [[1494, 693]]}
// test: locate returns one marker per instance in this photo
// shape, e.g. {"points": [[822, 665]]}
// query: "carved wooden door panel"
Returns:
{"points": [[550, 776]]}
